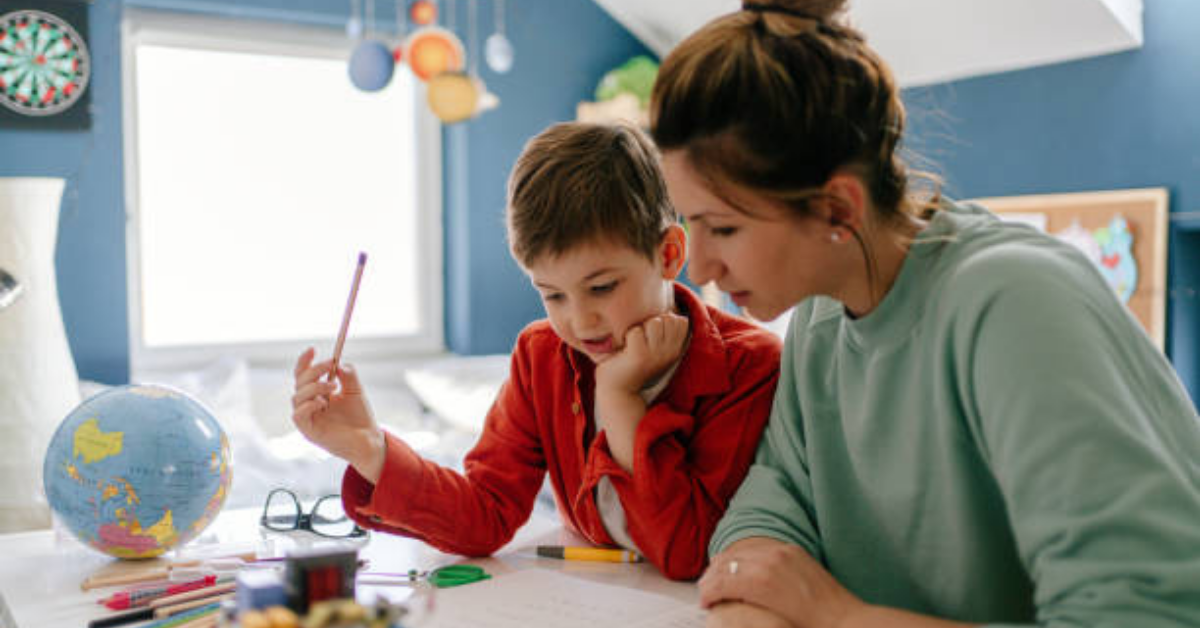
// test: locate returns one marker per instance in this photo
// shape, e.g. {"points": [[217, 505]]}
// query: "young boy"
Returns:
{"points": [[643, 404]]}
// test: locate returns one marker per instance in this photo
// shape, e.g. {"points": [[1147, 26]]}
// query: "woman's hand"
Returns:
{"points": [[742, 615], [338, 421], [781, 578]]}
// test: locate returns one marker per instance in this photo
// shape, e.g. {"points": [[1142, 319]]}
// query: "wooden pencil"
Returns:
{"points": [[188, 596], [133, 577], [248, 557], [175, 609], [205, 621], [187, 617]]}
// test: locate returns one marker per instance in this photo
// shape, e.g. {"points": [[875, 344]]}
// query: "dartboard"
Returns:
{"points": [[44, 63]]}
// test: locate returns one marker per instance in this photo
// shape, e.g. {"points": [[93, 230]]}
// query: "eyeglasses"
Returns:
{"points": [[282, 513]]}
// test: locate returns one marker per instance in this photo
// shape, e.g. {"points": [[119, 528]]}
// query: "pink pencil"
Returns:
{"points": [[341, 339]]}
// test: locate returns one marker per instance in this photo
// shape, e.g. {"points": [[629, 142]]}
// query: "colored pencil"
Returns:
{"points": [[188, 596], [121, 619], [175, 609], [341, 339]]}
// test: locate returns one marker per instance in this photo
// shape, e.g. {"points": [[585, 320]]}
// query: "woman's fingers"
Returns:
{"points": [[737, 615], [721, 580]]}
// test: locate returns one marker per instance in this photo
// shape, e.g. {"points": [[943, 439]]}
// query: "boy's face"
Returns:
{"points": [[596, 292]]}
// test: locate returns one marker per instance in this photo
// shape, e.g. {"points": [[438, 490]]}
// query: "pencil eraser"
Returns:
{"points": [[260, 588]]}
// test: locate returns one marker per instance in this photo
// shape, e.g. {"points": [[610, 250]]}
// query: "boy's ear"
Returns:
{"points": [[847, 201], [672, 251]]}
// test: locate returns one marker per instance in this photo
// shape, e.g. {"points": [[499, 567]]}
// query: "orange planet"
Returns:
{"points": [[431, 51], [423, 12]]}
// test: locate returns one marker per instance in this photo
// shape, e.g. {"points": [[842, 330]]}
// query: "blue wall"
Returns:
{"points": [[1127, 120], [562, 49]]}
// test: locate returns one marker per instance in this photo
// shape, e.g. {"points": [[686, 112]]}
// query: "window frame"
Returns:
{"points": [[147, 26]]}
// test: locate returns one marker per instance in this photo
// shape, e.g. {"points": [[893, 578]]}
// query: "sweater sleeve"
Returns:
{"points": [[1092, 442], [472, 513], [775, 499], [686, 467]]}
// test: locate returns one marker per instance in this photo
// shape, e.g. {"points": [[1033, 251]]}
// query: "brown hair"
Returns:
{"points": [[578, 183], [778, 97]]}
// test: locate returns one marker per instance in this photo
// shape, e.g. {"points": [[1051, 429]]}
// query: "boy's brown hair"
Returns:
{"points": [[577, 183]]}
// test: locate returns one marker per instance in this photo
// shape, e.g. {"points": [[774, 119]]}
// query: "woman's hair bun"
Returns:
{"points": [[824, 10]]}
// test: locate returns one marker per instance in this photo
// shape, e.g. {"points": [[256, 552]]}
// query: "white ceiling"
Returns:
{"points": [[933, 41]]}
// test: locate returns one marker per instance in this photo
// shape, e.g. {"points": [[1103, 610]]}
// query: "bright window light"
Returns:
{"points": [[260, 175]]}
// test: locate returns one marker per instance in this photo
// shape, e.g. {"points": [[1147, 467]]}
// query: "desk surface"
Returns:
{"points": [[40, 572]]}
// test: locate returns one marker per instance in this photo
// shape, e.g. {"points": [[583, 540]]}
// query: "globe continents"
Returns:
{"points": [[137, 470]]}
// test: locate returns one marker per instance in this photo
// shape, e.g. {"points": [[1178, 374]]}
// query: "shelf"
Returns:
{"points": [[1186, 222]]}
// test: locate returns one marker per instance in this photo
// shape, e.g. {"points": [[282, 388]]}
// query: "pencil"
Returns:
{"points": [[144, 575], [246, 557], [186, 617], [193, 595], [210, 620], [121, 619], [602, 554], [175, 609], [143, 596], [341, 338]]}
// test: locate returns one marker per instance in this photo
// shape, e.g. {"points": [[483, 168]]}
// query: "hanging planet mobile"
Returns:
{"points": [[44, 63]]}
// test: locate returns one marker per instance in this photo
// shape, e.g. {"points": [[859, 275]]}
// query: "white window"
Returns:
{"points": [[255, 173]]}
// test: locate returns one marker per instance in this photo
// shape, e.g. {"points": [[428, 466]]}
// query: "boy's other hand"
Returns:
{"points": [[650, 349], [338, 421]]}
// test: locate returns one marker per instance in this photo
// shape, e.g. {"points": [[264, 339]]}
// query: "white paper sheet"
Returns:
{"points": [[540, 597]]}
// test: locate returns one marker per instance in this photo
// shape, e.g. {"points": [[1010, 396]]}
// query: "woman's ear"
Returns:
{"points": [[846, 200], [672, 251]]}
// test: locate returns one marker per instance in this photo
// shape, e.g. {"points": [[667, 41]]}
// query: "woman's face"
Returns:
{"points": [[767, 262]]}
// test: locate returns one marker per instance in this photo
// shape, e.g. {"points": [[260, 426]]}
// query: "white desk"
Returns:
{"points": [[40, 572]]}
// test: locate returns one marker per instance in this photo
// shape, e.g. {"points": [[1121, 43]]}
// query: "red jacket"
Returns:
{"points": [[691, 451]]}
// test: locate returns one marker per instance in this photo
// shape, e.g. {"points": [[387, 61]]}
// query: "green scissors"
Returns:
{"points": [[451, 575]]}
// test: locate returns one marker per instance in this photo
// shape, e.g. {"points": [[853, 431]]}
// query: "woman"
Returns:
{"points": [[969, 427]]}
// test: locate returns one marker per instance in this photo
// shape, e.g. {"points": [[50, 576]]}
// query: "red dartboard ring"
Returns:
{"points": [[44, 63]]}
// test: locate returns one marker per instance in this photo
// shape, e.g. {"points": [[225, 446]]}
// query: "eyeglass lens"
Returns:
{"points": [[282, 512], [329, 519]]}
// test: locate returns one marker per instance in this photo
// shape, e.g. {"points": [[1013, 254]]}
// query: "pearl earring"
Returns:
{"points": [[835, 237]]}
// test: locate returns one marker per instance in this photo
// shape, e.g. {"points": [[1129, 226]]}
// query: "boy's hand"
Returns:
{"points": [[338, 421], [650, 348]]}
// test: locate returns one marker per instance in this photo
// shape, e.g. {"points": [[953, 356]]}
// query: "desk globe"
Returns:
{"points": [[137, 470]]}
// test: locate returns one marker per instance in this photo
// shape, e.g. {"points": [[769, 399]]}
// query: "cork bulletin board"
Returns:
{"points": [[1109, 218]]}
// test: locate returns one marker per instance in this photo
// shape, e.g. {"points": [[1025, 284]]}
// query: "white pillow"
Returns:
{"points": [[459, 389]]}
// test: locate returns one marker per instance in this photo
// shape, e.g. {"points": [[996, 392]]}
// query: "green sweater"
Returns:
{"points": [[998, 441]]}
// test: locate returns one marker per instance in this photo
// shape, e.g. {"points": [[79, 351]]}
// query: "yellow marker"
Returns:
{"points": [[603, 554]]}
